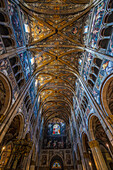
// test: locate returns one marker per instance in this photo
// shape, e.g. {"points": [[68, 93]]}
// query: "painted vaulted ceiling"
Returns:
{"points": [[56, 40]]}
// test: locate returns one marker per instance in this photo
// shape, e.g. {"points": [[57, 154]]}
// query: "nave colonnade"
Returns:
{"points": [[21, 133]]}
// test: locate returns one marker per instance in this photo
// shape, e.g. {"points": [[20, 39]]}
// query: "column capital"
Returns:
{"points": [[93, 143]]}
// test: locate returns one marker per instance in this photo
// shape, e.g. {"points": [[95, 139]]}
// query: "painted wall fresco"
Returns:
{"points": [[32, 92], [80, 62], [13, 13], [35, 111], [32, 59], [5, 68], [36, 107], [87, 26], [87, 64], [88, 111], [106, 69], [96, 23], [25, 64], [1, 47], [110, 46], [80, 93], [26, 26]]}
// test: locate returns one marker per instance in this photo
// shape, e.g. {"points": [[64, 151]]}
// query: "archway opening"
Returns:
{"points": [[87, 153], [5, 94], [105, 146], [8, 142], [107, 95]]}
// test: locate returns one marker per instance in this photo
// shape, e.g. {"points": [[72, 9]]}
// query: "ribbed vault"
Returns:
{"points": [[56, 31]]}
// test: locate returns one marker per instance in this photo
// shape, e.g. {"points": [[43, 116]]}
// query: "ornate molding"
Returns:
{"points": [[93, 144]]}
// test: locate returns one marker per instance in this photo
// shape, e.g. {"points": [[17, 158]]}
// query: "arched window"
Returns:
{"points": [[8, 42], [91, 84], [110, 5], [56, 129], [2, 4], [56, 165], [108, 18], [92, 77], [3, 17], [103, 43], [95, 70], [5, 30], [97, 62], [106, 31]]}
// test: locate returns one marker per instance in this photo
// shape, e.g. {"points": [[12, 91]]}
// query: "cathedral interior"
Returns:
{"points": [[56, 84]]}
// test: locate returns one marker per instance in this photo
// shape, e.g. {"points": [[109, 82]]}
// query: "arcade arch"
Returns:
{"points": [[107, 95], [8, 143], [98, 134], [5, 94]]}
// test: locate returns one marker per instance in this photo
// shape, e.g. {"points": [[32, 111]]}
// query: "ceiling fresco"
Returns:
{"points": [[56, 41]]}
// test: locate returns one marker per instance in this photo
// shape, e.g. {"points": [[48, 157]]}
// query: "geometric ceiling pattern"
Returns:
{"points": [[56, 31]]}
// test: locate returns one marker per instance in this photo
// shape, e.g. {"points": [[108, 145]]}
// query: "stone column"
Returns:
{"points": [[24, 162], [32, 166], [16, 161], [97, 155], [79, 165], [87, 161]]}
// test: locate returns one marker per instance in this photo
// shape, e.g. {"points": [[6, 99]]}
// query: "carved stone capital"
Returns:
{"points": [[93, 143]]}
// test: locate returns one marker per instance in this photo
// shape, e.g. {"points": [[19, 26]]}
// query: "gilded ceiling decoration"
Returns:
{"points": [[56, 41]]}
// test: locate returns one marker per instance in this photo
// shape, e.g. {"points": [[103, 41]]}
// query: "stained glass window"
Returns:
{"points": [[56, 129], [56, 165]]}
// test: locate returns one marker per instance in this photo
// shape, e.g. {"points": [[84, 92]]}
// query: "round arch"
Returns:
{"points": [[5, 94], [107, 95], [18, 121], [98, 133], [11, 135]]}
